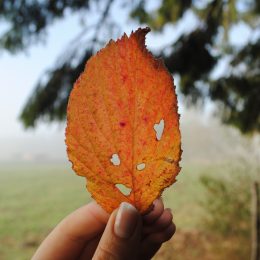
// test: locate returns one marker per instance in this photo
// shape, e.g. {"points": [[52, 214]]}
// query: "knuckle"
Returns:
{"points": [[168, 215], [168, 233], [163, 236]]}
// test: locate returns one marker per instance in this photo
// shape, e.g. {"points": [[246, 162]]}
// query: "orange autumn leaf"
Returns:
{"points": [[123, 124]]}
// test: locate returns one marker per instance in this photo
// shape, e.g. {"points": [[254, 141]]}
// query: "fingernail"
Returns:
{"points": [[126, 220]]}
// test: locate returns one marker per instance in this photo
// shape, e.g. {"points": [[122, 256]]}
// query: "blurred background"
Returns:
{"points": [[212, 48]]}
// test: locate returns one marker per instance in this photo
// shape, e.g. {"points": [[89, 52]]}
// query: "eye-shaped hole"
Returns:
{"points": [[140, 166], [123, 189], [159, 129], [115, 159]]}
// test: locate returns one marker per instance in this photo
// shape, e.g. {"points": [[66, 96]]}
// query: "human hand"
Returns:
{"points": [[90, 233]]}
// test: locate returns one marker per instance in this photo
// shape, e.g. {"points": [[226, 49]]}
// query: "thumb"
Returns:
{"points": [[122, 236]]}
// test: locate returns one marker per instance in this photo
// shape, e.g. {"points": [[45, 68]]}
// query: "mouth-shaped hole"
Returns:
{"points": [[123, 189]]}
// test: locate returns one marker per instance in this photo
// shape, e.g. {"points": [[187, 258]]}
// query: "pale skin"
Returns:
{"points": [[91, 233]]}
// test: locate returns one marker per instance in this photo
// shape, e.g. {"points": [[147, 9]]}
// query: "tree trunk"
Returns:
{"points": [[255, 255]]}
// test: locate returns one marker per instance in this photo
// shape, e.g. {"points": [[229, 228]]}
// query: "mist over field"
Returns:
{"points": [[204, 140]]}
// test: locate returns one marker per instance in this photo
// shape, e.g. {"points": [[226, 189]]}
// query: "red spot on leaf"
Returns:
{"points": [[124, 78]]}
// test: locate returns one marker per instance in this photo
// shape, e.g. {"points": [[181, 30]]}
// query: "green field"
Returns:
{"points": [[34, 198]]}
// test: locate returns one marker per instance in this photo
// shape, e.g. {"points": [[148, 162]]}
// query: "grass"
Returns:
{"points": [[34, 198]]}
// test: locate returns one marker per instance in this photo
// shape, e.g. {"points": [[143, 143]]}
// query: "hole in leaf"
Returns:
{"points": [[115, 159], [140, 166], [169, 160], [123, 189], [159, 129]]}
